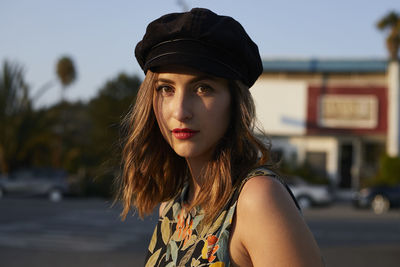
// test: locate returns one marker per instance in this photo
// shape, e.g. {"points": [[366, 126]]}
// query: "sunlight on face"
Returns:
{"points": [[192, 110]]}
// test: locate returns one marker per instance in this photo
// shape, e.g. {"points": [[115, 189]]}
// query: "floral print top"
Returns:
{"points": [[183, 239]]}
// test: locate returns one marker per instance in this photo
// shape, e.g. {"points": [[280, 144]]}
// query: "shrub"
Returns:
{"points": [[389, 171], [304, 171]]}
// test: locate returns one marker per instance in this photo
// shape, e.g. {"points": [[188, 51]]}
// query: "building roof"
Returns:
{"points": [[326, 65]]}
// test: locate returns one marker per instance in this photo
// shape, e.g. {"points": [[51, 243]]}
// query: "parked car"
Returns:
{"points": [[380, 198], [307, 194], [35, 182]]}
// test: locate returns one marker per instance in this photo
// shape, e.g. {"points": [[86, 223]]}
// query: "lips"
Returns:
{"points": [[184, 133]]}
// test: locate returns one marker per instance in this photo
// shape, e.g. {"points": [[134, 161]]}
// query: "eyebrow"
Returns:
{"points": [[164, 80]]}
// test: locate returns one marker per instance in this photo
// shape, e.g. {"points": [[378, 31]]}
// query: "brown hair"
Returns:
{"points": [[153, 172]]}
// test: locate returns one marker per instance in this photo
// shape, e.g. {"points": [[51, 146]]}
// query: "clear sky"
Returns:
{"points": [[100, 35]]}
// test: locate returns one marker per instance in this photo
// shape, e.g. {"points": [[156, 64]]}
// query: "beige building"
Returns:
{"points": [[337, 115]]}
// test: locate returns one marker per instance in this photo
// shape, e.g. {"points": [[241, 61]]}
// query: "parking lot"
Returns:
{"points": [[89, 232]]}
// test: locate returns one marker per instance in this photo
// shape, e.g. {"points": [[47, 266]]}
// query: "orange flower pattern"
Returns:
{"points": [[212, 247], [184, 227]]}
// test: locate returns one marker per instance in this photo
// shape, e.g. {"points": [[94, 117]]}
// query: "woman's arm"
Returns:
{"points": [[269, 230]]}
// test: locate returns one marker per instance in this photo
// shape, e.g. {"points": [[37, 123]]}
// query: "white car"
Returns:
{"points": [[308, 195], [35, 182]]}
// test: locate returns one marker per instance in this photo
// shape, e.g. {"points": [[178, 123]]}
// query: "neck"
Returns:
{"points": [[195, 166]]}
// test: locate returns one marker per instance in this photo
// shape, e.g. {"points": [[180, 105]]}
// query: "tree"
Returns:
{"points": [[15, 107], [106, 112], [391, 22], [66, 73]]}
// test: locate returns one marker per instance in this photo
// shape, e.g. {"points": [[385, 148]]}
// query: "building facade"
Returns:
{"points": [[334, 115]]}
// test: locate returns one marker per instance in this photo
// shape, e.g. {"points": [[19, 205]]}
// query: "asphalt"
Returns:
{"points": [[89, 232]]}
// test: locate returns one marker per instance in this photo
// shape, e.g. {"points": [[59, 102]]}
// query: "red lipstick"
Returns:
{"points": [[184, 133]]}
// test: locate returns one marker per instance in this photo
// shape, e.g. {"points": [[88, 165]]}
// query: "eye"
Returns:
{"points": [[204, 89], [165, 89]]}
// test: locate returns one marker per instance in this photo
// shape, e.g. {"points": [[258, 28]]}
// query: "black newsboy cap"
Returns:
{"points": [[203, 40]]}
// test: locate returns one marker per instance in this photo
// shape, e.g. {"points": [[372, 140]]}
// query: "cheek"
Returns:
{"points": [[226, 118], [159, 113], [222, 120]]}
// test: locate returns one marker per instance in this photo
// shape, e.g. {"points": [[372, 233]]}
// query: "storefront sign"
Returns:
{"points": [[348, 111]]}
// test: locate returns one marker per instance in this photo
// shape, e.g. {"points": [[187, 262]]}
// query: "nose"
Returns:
{"points": [[182, 106]]}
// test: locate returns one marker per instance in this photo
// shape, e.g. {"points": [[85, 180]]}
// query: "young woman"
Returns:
{"points": [[191, 147]]}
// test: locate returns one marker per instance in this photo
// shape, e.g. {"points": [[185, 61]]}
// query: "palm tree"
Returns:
{"points": [[66, 72], [391, 22]]}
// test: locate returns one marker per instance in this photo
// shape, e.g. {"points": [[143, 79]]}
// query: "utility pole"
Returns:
{"points": [[393, 131], [183, 5]]}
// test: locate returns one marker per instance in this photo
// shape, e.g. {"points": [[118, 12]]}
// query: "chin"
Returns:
{"points": [[186, 151], [193, 154], [185, 154]]}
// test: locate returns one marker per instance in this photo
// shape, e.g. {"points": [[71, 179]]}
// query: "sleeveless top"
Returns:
{"points": [[183, 239]]}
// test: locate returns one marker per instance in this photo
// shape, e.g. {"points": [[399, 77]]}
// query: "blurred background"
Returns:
{"points": [[328, 99]]}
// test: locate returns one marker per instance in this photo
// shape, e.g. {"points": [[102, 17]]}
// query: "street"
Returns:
{"points": [[352, 237], [89, 232]]}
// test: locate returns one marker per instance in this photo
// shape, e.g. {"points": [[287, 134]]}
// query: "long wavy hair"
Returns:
{"points": [[153, 173]]}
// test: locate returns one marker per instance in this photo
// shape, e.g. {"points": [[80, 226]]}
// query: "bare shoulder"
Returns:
{"points": [[265, 192], [266, 199], [269, 230]]}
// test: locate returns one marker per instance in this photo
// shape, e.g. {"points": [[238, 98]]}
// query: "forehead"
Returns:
{"points": [[178, 71]]}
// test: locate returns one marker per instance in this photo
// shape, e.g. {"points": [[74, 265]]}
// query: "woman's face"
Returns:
{"points": [[192, 110]]}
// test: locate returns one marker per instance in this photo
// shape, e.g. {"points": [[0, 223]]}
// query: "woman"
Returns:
{"points": [[191, 148]]}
